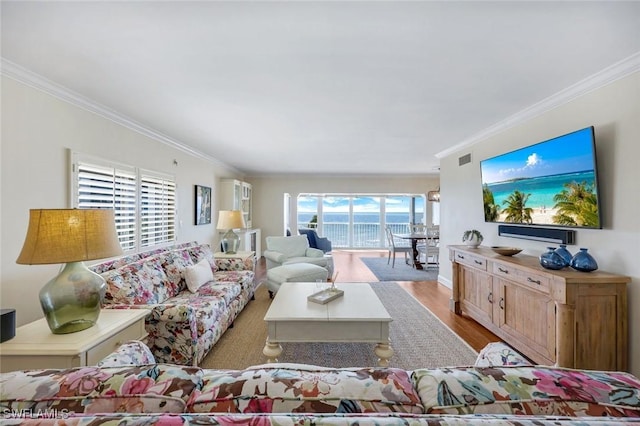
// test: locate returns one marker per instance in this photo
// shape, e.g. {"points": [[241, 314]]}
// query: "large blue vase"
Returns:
{"points": [[551, 259], [564, 254], [583, 261]]}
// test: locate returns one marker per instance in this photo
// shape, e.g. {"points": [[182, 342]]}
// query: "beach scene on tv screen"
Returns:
{"points": [[550, 183]]}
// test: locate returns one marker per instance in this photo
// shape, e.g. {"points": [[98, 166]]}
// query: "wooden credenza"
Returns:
{"points": [[565, 318]]}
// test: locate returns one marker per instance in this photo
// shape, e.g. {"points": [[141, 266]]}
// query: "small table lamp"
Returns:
{"points": [[71, 300], [230, 220]]}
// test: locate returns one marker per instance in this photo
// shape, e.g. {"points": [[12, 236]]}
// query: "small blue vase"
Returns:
{"points": [[551, 259], [564, 254], [583, 261]]}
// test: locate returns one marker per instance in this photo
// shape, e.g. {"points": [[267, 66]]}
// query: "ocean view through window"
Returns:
{"points": [[358, 221]]}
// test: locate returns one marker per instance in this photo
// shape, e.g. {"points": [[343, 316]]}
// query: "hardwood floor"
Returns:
{"points": [[431, 294]]}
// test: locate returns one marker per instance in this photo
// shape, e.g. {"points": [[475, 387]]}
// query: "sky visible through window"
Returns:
{"points": [[361, 203]]}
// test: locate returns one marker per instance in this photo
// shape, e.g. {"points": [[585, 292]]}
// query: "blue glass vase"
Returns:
{"points": [[551, 259], [564, 254], [583, 261]]}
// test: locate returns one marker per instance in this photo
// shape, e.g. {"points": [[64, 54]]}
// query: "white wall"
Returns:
{"points": [[37, 132], [614, 111], [268, 193]]}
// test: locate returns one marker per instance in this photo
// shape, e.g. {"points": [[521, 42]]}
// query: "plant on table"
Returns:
{"points": [[472, 237]]}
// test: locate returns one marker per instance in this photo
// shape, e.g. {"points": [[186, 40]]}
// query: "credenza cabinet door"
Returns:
{"points": [[477, 294], [592, 327], [528, 317]]}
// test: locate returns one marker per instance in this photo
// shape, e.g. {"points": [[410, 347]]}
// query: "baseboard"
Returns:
{"points": [[445, 281], [550, 235]]}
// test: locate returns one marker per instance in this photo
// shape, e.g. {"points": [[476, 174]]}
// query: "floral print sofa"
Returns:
{"points": [[123, 391], [182, 325]]}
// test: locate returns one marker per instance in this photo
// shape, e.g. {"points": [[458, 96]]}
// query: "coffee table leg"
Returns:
{"points": [[384, 351], [272, 351]]}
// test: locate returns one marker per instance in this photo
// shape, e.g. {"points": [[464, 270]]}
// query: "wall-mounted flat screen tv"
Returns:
{"points": [[551, 183]]}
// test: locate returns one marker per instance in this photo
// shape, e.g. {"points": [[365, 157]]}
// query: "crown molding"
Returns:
{"points": [[607, 76], [280, 175], [30, 78]]}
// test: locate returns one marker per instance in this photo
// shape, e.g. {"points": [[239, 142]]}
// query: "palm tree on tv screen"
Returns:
{"points": [[491, 210], [577, 205], [516, 209]]}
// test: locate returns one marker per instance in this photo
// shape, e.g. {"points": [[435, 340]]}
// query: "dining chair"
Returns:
{"points": [[431, 248], [418, 228], [395, 248]]}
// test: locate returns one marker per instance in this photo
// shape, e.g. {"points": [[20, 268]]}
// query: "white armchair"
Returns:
{"points": [[295, 249]]}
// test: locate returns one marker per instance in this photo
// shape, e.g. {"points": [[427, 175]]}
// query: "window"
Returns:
{"points": [[358, 221], [366, 220], [336, 218], [308, 212], [157, 209], [144, 202]]}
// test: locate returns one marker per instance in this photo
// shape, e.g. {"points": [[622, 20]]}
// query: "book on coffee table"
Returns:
{"points": [[325, 296]]}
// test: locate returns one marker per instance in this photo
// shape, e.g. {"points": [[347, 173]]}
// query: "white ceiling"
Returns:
{"points": [[319, 87]]}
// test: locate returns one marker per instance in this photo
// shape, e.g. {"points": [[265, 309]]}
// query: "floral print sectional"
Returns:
{"points": [[182, 325], [121, 392]]}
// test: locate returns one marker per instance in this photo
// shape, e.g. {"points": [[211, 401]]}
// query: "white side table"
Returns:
{"points": [[34, 346]]}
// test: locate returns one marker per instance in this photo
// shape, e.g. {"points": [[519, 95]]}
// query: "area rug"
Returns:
{"points": [[418, 338], [401, 271]]}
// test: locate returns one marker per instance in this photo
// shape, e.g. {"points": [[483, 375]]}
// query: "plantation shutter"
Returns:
{"points": [[157, 209], [110, 188], [144, 202]]}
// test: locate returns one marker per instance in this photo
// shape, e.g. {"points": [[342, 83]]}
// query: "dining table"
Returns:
{"points": [[414, 237]]}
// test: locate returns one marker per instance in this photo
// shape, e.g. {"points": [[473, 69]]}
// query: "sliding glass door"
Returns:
{"points": [[356, 220], [366, 222], [307, 208], [336, 214]]}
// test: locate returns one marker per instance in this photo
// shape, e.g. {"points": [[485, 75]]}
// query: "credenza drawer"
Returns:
{"points": [[522, 276], [470, 260]]}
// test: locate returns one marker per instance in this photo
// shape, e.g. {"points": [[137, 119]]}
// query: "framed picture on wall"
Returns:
{"points": [[203, 205]]}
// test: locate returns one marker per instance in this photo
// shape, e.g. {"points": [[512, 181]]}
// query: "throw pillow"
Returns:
{"points": [[197, 275]]}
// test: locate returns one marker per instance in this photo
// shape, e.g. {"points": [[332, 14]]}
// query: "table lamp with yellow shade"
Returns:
{"points": [[71, 300], [228, 220]]}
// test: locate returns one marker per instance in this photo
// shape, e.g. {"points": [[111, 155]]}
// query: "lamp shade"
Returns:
{"points": [[231, 219], [434, 196], [69, 235]]}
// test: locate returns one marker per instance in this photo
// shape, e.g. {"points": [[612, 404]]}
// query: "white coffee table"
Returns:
{"points": [[357, 316]]}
